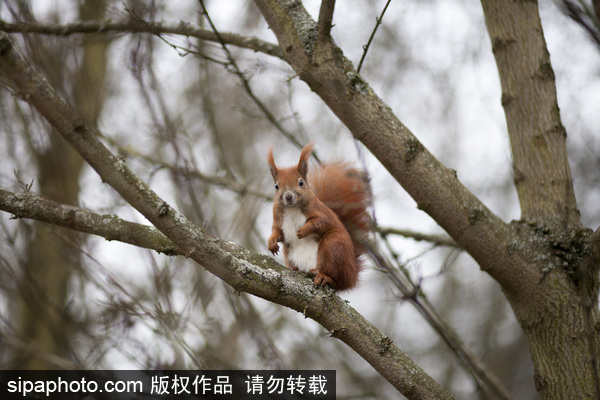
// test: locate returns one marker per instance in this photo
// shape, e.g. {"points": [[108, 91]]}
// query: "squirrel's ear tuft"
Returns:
{"points": [[304, 156], [271, 161]]}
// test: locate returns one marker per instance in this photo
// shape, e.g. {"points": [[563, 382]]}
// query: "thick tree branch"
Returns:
{"points": [[537, 137], [240, 268], [155, 28], [433, 186], [110, 227]]}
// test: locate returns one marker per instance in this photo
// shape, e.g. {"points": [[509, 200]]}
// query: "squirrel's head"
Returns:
{"points": [[291, 183]]}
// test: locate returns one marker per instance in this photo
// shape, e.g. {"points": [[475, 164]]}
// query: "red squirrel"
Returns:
{"points": [[314, 215]]}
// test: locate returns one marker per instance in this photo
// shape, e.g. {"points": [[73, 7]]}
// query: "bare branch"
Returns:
{"points": [[445, 331], [418, 236], [366, 47], [244, 270], [155, 28], [246, 85], [587, 18], [325, 20], [27, 205], [110, 227], [542, 173], [220, 181]]}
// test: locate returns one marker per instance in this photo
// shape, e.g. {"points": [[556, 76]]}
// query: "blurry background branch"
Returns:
{"points": [[411, 292], [141, 26], [438, 240], [246, 84], [587, 17]]}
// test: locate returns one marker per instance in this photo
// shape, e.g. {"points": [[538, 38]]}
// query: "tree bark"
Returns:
{"points": [[561, 325]]}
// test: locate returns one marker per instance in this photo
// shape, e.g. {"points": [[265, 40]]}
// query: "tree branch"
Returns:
{"points": [[537, 137], [231, 184], [155, 28], [246, 85], [366, 46], [242, 269], [446, 332], [586, 17], [110, 227], [325, 20], [438, 240]]}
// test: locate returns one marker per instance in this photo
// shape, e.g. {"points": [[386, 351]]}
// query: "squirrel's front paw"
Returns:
{"points": [[272, 245], [302, 232]]}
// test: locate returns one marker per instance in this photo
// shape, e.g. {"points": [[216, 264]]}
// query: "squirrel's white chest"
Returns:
{"points": [[302, 252]]}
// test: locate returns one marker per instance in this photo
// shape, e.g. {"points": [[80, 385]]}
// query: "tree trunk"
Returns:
{"points": [[559, 312], [559, 324]]}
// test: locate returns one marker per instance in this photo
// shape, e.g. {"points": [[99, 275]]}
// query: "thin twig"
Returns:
{"points": [[419, 236], [187, 172], [412, 292], [246, 85], [366, 47]]}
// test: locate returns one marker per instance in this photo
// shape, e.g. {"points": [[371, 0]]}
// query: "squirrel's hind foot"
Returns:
{"points": [[321, 279]]}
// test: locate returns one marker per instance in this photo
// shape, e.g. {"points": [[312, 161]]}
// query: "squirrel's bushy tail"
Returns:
{"points": [[346, 191]]}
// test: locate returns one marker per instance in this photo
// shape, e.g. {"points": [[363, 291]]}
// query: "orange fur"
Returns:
{"points": [[319, 211]]}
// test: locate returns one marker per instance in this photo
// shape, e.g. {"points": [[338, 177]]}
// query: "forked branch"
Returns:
{"points": [[432, 185]]}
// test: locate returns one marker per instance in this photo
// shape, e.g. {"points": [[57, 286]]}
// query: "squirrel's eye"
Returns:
{"points": [[276, 187], [300, 182]]}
